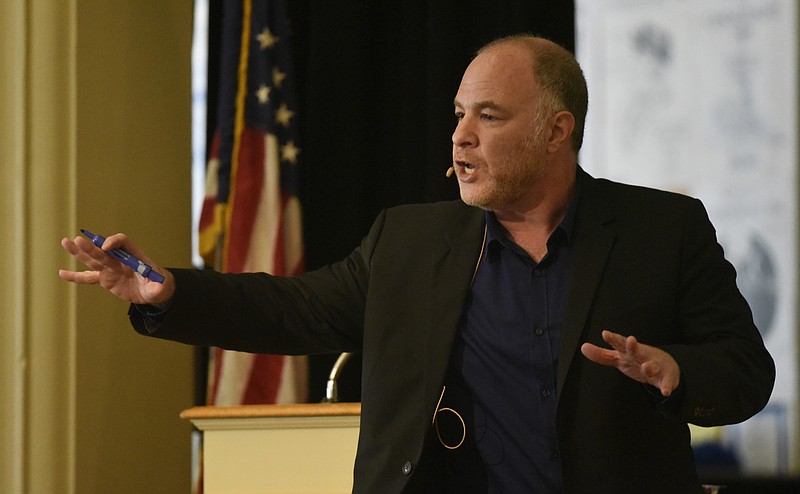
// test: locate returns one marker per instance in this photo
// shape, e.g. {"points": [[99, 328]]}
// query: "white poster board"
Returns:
{"points": [[701, 98]]}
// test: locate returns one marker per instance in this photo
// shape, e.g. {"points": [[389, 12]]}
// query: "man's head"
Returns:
{"points": [[559, 77], [520, 109]]}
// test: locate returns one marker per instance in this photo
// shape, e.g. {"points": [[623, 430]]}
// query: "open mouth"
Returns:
{"points": [[468, 168]]}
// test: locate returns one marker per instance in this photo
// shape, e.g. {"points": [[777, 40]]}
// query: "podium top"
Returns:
{"points": [[259, 411]]}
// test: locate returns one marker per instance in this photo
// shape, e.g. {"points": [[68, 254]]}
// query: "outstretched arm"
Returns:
{"points": [[643, 363], [114, 276]]}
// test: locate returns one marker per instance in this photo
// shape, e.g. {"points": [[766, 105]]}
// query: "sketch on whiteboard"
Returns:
{"points": [[758, 281]]}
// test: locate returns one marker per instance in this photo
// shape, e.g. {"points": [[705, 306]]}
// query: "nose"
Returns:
{"points": [[464, 135]]}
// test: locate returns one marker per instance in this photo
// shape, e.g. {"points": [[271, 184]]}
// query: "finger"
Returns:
{"points": [[668, 385], [616, 340], [602, 356], [632, 346], [70, 246], [92, 256], [80, 277], [121, 240], [659, 375], [651, 368], [81, 252]]}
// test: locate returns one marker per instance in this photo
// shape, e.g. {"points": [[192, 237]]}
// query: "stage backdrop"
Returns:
{"points": [[701, 98]]}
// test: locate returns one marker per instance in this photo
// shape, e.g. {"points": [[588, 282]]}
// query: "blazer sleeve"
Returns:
{"points": [[317, 312], [726, 372]]}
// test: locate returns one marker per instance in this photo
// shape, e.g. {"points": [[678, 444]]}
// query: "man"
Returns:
{"points": [[482, 324]]}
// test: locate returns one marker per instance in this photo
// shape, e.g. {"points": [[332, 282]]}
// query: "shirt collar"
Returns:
{"points": [[496, 235]]}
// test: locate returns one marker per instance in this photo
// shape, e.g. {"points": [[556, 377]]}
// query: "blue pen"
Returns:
{"points": [[126, 258]]}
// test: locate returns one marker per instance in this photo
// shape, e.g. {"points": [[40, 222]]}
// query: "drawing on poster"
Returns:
{"points": [[743, 129], [758, 282], [649, 91]]}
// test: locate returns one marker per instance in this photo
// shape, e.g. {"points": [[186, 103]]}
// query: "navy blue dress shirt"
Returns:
{"points": [[502, 375]]}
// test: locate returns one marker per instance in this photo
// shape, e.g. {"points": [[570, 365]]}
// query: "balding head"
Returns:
{"points": [[560, 78]]}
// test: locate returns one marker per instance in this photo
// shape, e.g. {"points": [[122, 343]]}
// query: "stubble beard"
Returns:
{"points": [[511, 180]]}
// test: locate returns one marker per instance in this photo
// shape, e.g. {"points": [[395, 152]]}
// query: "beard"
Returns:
{"points": [[512, 176]]}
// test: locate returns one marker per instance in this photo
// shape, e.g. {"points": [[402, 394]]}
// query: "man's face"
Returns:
{"points": [[499, 144]]}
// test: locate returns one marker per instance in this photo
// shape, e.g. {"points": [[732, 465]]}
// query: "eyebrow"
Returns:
{"points": [[480, 104]]}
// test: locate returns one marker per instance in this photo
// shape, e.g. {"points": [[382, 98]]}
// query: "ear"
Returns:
{"points": [[561, 128]]}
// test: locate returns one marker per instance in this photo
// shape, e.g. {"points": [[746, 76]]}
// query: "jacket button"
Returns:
{"points": [[407, 467]]}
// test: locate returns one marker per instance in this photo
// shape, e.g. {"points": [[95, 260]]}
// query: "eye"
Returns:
{"points": [[488, 117], [459, 116]]}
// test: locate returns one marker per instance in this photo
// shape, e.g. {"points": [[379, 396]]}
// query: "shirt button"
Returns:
{"points": [[407, 467], [538, 331], [537, 273], [546, 393]]}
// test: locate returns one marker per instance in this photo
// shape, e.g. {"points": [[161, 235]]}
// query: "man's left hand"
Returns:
{"points": [[644, 363]]}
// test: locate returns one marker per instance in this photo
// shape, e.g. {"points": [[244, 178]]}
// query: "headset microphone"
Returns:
{"points": [[450, 172]]}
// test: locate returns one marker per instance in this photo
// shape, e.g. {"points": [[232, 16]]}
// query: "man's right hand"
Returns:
{"points": [[114, 276]]}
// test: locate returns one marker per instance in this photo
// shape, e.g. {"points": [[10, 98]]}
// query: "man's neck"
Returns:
{"points": [[531, 221]]}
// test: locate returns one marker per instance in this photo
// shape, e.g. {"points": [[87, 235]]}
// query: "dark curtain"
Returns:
{"points": [[376, 82]]}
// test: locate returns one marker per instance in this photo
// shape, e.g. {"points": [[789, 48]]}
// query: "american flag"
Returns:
{"points": [[251, 218]]}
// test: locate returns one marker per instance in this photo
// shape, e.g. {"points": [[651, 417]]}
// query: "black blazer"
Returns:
{"points": [[644, 262]]}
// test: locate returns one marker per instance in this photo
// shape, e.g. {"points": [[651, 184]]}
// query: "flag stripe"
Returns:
{"points": [[235, 370], [248, 193], [265, 379], [292, 240], [251, 199]]}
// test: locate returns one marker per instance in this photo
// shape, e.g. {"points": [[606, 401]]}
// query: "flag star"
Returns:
{"points": [[277, 77], [284, 115], [289, 152], [263, 94], [266, 39]]}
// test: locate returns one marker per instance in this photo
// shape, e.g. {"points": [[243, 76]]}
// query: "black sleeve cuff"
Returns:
{"points": [[150, 317], [669, 406]]}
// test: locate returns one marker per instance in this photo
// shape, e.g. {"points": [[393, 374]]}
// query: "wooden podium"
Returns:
{"points": [[304, 448]]}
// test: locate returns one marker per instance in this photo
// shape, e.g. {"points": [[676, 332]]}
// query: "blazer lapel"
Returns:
{"points": [[452, 264], [594, 235]]}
